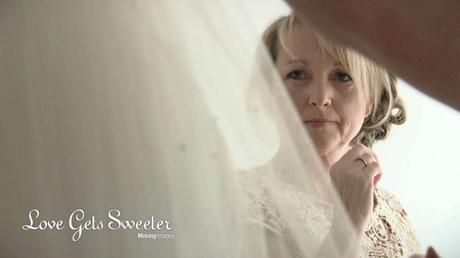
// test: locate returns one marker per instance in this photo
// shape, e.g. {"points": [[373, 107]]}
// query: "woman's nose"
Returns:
{"points": [[319, 95]]}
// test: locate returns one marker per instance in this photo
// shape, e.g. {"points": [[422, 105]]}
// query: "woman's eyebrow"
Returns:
{"points": [[338, 64], [297, 61]]}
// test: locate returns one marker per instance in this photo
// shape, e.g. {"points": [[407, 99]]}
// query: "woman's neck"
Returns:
{"points": [[329, 158]]}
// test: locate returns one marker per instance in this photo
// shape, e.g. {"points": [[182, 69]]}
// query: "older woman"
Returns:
{"points": [[346, 103]]}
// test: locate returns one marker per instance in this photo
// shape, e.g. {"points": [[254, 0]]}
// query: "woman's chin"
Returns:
{"points": [[323, 147]]}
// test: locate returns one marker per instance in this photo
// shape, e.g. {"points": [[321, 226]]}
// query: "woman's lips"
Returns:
{"points": [[317, 123]]}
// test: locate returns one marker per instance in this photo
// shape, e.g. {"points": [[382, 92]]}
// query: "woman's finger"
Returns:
{"points": [[377, 178], [372, 171], [355, 152], [366, 158]]}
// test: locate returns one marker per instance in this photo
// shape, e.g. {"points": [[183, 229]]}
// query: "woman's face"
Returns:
{"points": [[331, 105]]}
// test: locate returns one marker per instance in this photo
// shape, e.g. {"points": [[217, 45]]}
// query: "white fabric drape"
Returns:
{"points": [[152, 108]]}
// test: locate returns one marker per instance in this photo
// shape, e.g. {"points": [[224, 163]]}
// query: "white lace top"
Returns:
{"points": [[389, 234]]}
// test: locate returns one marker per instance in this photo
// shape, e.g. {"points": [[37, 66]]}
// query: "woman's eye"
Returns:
{"points": [[343, 77], [296, 75]]}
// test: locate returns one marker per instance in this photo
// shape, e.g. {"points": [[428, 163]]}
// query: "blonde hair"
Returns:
{"points": [[379, 84]]}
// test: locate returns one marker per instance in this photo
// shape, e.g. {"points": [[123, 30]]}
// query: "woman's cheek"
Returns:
{"points": [[298, 98]]}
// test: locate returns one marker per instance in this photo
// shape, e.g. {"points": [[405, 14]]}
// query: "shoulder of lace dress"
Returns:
{"points": [[307, 210], [253, 184], [388, 201], [306, 214], [390, 229]]}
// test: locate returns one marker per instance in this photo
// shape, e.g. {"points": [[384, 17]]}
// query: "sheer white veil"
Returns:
{"points": [[161, 109]]}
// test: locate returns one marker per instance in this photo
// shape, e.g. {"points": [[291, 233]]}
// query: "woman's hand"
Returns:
{"points": [[354, 177]]}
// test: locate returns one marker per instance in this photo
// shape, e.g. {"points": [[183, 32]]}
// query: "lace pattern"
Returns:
{"points": [[389, 233]]}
